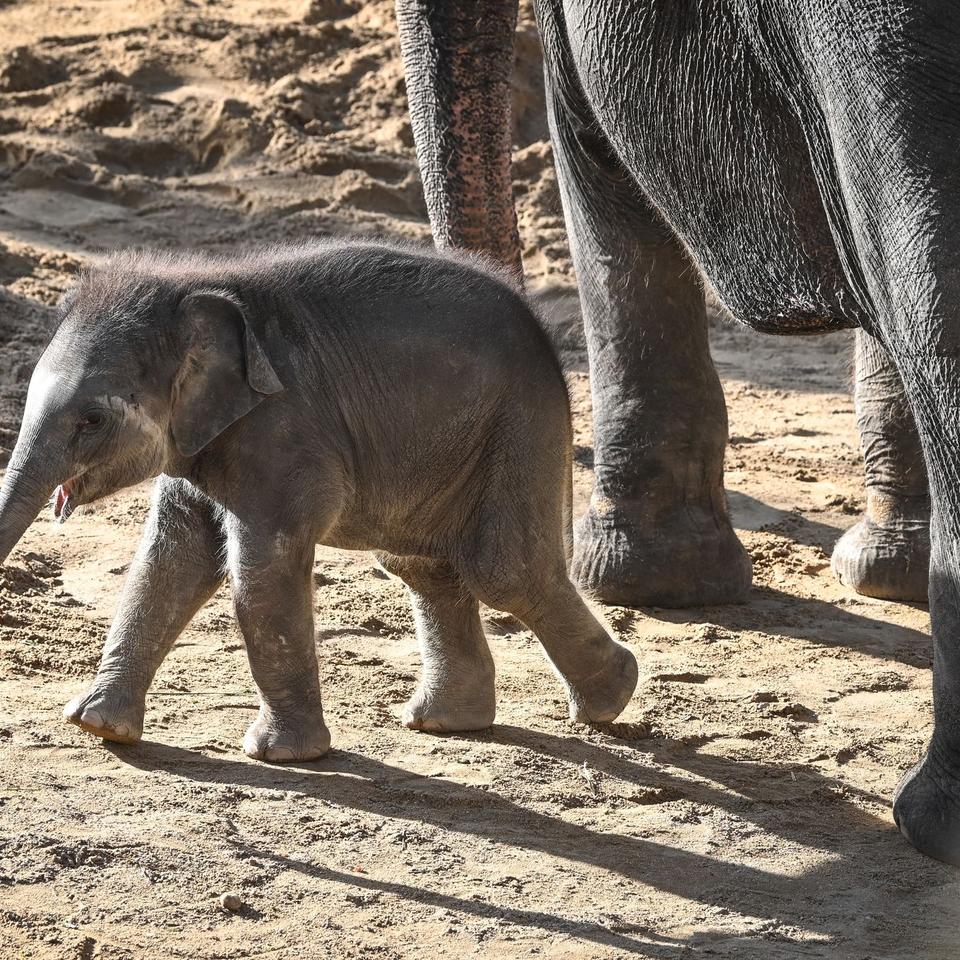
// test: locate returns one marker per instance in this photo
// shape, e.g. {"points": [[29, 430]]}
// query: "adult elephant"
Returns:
{"points": [[802, 155]]}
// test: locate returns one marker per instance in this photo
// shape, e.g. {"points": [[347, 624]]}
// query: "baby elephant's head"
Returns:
{"points": [[141, 375]]}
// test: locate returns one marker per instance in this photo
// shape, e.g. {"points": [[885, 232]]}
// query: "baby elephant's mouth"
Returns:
{"points": [[64, 499]]}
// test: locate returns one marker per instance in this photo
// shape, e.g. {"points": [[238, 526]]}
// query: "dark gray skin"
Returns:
{"points": [[657, 531], [887, 553], [359, 396], [801, 155]]}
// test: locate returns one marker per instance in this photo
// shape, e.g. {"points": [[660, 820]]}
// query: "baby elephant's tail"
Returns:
{"points": [[568, 514]]}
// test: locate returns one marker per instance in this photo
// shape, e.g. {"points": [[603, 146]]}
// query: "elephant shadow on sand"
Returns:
{"points": [[755, 792]]}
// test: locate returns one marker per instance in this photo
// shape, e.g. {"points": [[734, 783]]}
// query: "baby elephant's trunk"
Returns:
{"points": [[26, 488]]}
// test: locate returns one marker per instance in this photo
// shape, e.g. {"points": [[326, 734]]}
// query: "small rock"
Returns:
{"points": [[231, 902], [707, 633], [592, 778], [846, 754], [316, 11], [685, 677], [796, 711]]}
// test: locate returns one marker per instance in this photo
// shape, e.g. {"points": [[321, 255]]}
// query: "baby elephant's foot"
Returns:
{"points": [[287, 738], [467, 702], [108, 712], [602, 696]]}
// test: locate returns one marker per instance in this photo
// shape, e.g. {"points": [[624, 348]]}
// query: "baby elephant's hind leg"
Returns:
{"points": [[600, 674], [457, 690]]}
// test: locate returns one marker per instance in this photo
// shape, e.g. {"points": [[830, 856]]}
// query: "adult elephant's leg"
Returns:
{"points": [[458, 60], [889, 167], [927, 804], [887, 554], [657, 531]]}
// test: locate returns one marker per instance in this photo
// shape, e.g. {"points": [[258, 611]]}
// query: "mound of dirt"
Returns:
{"points": [[44, 631]]}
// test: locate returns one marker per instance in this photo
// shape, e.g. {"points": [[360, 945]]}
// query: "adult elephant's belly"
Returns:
{"points": [[681, 95]]}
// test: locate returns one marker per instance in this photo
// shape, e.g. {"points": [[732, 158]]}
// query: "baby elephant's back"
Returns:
{"points": [[453, 385], [452, 339]]}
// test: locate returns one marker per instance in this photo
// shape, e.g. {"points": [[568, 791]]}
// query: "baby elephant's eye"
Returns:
{"points": [[90, 421]]}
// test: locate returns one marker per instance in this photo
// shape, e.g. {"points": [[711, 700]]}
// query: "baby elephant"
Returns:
{"points": [[350, 394]]}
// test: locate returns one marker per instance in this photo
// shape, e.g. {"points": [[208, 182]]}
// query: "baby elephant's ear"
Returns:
{"points": [[225, 372]]}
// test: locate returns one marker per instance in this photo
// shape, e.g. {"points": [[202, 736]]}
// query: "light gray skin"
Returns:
{"points": [[886, 553], [354, 395]]}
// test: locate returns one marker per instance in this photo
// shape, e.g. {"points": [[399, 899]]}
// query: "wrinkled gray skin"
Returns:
{"points": [[353, 395], [799, 154], [657, 530], [887, 553]]}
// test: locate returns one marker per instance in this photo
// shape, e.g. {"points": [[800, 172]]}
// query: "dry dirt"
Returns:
{"points": [[740, 808]]}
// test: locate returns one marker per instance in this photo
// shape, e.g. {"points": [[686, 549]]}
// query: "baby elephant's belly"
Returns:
{"points": [[442, 492], [419, 519]]}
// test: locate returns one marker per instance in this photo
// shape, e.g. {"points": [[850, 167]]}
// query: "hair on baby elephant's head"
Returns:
{"points": [[143, 371]]}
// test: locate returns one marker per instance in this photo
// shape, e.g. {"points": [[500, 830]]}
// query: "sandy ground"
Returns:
{"points": [[739, 809]]}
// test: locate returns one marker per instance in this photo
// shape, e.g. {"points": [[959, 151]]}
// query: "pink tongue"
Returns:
{"points": [[60, 501]]}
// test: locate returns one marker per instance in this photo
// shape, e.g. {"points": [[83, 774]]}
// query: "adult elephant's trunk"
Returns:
{"points": [[458, 59], [26, 488]]}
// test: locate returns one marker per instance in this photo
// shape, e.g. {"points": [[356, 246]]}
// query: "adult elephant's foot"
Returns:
{"points": [[288, 737], [887, 553], [110, 711], [926, 807], [451, 704], [690, 558], [601, 697]]}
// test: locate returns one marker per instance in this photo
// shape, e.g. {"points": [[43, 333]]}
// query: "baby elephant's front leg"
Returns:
{"points": [[176, 570], [272, 584]]}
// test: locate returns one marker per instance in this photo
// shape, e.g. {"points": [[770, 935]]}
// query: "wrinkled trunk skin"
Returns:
{"points": [[458, 58], [887, 554], [38, 463], [26, 490]]}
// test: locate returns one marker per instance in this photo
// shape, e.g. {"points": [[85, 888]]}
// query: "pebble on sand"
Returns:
{"points": [[231, 902]]}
